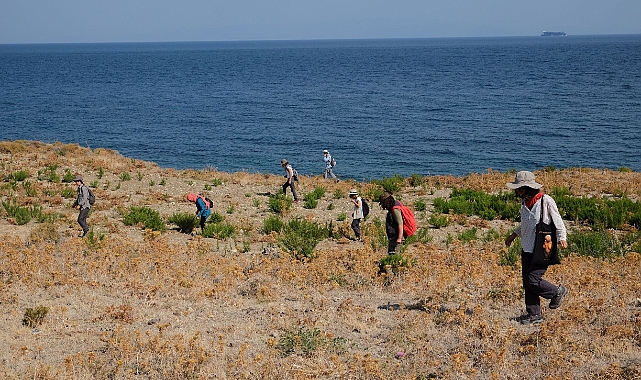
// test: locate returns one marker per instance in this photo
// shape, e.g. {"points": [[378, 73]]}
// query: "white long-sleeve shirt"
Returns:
{"points": [[529, 219]]}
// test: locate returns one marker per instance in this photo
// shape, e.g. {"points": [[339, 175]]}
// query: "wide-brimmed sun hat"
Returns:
{"points": [[78, 179], [284, 162], [524, 179], [353, 192], [384, 196]]}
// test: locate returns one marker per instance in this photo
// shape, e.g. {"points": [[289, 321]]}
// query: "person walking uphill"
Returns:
{"points": [[82, 203], [357, 214], [203, 208], [393, 221], [536, 208], [291, 178], [329, 164]]}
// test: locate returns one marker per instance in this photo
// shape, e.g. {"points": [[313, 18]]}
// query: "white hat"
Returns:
{"points": [[353, 192], [524, 179], [325, 151]]}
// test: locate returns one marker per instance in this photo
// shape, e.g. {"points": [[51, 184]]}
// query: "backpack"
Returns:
{"points": [[409, 223], [365, 208], [332, 162], [294, 174], [91, 198], [211, 203]]}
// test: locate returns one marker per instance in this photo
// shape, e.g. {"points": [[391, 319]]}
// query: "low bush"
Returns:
{"points": [[144, 215], [420, 205], [273, 224], [21, 214], [468, 235], [300, 237], [311, 199], [487, 206], [394, 263], [390, 184], [603, 244], [215, 217], [185, 221], [34, 317], [18, 176], [279, 203], [219, 230], [305, 342], [438, 220], [511, 256]]}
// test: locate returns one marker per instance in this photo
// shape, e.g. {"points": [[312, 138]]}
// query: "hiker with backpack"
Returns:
{"points": [[292, 176], [399, 222], [203, 208], [329, 164], [83, 204], [361, 209]]}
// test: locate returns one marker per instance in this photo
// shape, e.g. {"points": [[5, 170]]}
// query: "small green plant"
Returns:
{"points": [[101, 172], [310, 202], [420, 205], [279, 203], [417, 180], [125, 176], [468, 235], [68, 177], [231, 209], [256, 202], [394, 263], [93, 239], [422, 235], [163, 182], [29, 190], [53, 177], [185, 221], [215, 217], [18, 176], [144, 215], [390, 184], [33, 317], [338, 194], [246, 246], [273, 223], [139, 176], [94, 184], [305, 342], [152, 183], [216, 182], [219, 230], [68, 193], [330, 207], [341, 217], [491, 235], [598, 244], [510, 257], [208, 187], [22, 215], [438, 220], [300, 237]]}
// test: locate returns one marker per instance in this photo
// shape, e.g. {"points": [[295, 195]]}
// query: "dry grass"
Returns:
{"points": [[134, 304]]}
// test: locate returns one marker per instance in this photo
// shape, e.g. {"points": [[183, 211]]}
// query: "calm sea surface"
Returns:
{"points": [[382, 107]]}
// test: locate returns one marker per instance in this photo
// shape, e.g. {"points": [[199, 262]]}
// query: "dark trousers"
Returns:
{"points": [[534, 284], [356, 227], [82, 219], [203, 219], [291, 185]]}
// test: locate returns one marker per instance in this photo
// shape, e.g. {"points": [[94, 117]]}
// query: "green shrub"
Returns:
{"points": [[338, 194], [185, 221], [420, 205], [341, 217], [491, 235], [393, 262], [18, 176], [29, 190], [438, 221], [219, 230], [144, 215], [279, 203], [391, 184], [68, 192], [34, 317], [417, 180], [215, 217], [598, 244], [273, 223], [422, 235], [468, 235], [300, 237], [469, 202], [511, 256], [22, 215], [68, 177], [125, 176], [305, 342]]}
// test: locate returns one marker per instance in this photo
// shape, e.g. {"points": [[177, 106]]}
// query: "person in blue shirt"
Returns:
{"points": [[328, 165], [203, 208]]}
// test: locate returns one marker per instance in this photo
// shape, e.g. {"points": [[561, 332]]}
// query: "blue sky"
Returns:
{"points": [[41, 21]]}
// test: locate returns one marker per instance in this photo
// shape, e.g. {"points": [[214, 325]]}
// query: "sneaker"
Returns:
{"points": [[531, 319], [557, 300], [295, 200]]}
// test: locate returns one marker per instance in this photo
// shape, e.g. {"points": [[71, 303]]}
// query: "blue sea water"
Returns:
{"points": [[382, 107]]}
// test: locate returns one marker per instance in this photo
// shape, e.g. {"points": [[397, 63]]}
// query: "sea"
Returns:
{"points": [[381, 107]]}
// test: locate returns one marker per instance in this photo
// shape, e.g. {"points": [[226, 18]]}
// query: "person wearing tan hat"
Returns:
{"points": [[393, 222], [533, 203], [82, 204], [357, 214], [291, 178]]}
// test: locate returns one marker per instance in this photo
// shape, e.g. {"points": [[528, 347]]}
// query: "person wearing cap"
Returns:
{"points": [[357, 214], [526, 188], [393, 222], [82, 204], [328, 165], [290, 178]]}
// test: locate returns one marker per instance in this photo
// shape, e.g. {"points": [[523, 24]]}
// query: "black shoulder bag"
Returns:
{"points": [[546, 251]]}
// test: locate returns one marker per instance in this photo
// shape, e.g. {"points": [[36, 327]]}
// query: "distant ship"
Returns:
{"points": [[545, 34]]}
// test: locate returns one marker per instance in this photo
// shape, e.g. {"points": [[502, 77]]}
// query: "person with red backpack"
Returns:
{"points": [[399, 223]]}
